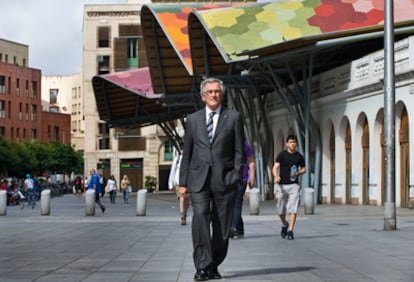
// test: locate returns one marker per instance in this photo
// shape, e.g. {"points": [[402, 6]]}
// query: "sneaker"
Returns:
{"points": [[283, 232], [234, 234], [290, 235]]}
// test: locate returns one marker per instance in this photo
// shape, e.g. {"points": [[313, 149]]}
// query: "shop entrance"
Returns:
{"points": [[133, 169]]}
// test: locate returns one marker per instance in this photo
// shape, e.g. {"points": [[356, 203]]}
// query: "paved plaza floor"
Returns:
{"points": [[336, 243]]}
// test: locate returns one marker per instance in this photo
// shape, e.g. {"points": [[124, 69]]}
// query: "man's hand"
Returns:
{"points": [[276, 179], [182, 190]]}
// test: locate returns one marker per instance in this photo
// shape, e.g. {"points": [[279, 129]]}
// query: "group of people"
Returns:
{"points": [[16, 195], [212, 172], [101, 186]]}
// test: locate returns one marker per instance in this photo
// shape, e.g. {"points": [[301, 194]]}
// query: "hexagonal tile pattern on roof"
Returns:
{"points": [[256, 26]]}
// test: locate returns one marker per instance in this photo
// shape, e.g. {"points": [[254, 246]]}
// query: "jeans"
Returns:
{"points": [[125, 193], [98, 201], [112, 196], [31, 197], [237, 221]]}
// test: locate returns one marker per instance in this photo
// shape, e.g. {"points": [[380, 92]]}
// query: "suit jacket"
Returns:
{"points": [[224, 157]]}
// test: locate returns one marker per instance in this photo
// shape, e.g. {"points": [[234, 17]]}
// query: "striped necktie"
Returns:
{"points": [[210, 126]]}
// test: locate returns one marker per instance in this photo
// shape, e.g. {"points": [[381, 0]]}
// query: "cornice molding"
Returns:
{"points": [[94, 14]]}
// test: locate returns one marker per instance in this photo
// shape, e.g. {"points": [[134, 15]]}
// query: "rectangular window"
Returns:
{"points": [[15, 60], [53, 93], [27, 111], [24, 62], [9, 85], [74, 94], [34, 112], [103, 137], [2, 131], [27, 88], [17, 87], [34, 89], [132, 52], [168, 151], [2, 84], [104, 36], [2, 109], [103, 64], [56, 134], [130, 140], [34, 135], [125, 30]]}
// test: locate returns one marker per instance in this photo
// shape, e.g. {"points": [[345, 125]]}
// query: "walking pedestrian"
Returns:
{"points": [[237, 225], [112, 188], [95, 184], [173, 180], [211, 168], [289, 165], [29, 187], [125, 184]]}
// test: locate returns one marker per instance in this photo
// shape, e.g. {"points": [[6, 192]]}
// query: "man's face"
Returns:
{"points": [[212, 95], [291, 145]]}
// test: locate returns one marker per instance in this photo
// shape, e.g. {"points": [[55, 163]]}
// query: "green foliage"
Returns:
{"points": [[16, 159], [150, 181]]}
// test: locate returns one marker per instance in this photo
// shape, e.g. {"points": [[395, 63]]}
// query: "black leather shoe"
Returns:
{"points": [[201, 275], [214, 274]]}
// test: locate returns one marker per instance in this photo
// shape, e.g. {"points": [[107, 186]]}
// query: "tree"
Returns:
{"points": [[17, 159]]}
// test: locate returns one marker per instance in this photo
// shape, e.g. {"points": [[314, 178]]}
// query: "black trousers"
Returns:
{"points": [[211, 224]]}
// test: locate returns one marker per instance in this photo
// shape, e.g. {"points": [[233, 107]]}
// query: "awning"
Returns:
{"points": [[126, 99]]}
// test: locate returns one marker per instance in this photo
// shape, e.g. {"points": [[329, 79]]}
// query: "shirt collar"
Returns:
{"points": [[217, 111]]}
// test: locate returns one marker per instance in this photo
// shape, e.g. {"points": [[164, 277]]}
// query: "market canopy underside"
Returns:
{"points": [[187, 42]]}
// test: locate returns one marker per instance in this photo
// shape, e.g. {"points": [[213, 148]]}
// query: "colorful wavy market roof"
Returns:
{"points": [[165, 31], [184, 42], [239, 29], [126, 99]]}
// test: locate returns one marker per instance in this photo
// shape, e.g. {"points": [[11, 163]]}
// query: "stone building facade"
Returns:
{"points": [[348, 105]]}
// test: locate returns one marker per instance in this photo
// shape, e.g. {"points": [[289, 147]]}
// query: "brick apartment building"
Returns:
{"points": [[21, 115]]}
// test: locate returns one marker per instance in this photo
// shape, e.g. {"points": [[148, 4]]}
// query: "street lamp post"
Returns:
{"points": [[390, 222]]}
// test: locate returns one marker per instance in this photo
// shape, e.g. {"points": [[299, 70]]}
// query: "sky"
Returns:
{"points": [[51, 28]]}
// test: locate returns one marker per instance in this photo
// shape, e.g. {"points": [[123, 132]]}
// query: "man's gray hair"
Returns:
{"points": [[211, 80]]}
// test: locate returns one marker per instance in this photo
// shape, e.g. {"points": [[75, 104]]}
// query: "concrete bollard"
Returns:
{"points": [[45, 202], [3, 202], [142, 202], [254, 201], [90, 202], [309, 206], [411, 199]]}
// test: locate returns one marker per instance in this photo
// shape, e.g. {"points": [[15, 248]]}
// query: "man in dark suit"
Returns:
{"points": [[211, 168]]}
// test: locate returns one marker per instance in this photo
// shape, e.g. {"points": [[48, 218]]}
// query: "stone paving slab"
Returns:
{"points": [[336, 243]]}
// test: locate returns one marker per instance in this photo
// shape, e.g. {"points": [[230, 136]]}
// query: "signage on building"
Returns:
{"points": [[131, 164]]}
